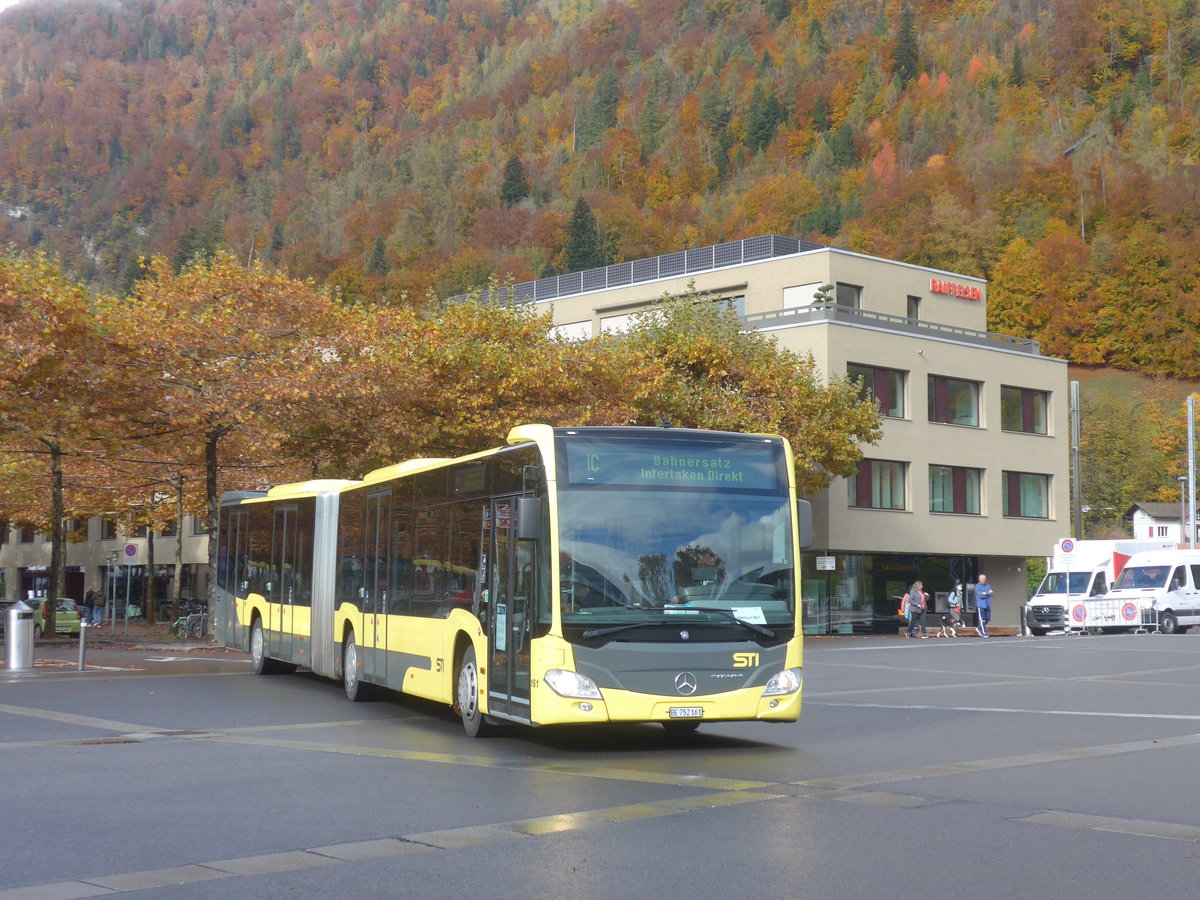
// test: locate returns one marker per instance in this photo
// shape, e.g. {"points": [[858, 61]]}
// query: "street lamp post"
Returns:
{"points": [[1091, 509], [1183, 528]]}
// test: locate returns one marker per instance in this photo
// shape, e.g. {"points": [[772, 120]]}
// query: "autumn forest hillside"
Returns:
{"points": [[397, 148]]}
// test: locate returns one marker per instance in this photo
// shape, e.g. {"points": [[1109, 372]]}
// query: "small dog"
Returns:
{"points": [[951, 622]]}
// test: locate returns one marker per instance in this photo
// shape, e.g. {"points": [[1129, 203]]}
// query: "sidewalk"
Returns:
{"points": [[56, 651]]}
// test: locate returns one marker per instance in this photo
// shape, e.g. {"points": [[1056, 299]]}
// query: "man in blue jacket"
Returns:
{"points": [[983, 605]]}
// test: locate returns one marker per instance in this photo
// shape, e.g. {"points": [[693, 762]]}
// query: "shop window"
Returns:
{"points": [[1026, 495], [1024, 410], [953, 401], [954, 489], [885, 385], [879, 484]]}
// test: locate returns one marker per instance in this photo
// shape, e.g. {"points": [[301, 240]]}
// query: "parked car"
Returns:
{"points": [[66, 617]]}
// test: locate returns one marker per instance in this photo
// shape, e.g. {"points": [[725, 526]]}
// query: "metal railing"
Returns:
{"points": [[669, 265], [832, 312]]}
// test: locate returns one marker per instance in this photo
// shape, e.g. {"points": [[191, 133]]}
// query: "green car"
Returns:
{"points": [[66, 617]]}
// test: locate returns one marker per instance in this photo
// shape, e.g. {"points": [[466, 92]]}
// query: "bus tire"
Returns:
{"points": [[468, 696], [1168, 624], [259, 661], [356, 690]]}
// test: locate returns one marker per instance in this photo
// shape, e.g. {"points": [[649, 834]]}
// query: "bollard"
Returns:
{"points": [[18, 637], [83, 630]]}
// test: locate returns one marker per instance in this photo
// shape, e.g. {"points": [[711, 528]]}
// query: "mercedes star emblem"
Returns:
{"points": [[685, 683]]}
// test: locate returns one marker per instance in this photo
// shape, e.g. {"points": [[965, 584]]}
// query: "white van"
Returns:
{"points": [[1158, 588], [1078, 570]]}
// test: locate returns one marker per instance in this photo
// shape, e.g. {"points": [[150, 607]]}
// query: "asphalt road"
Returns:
{"points": [[1012, 767]]}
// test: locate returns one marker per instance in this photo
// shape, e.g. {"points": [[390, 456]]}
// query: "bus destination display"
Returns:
{"points": [[671, 464]]}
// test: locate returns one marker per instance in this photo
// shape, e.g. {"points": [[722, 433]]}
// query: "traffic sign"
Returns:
{"points": [[1066, 546]]}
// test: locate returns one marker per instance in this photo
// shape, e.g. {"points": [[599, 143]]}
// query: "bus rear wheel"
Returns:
{"points": [[468, 696]]}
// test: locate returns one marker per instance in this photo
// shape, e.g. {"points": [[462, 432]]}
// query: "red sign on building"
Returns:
{"points": [[954, 289]]}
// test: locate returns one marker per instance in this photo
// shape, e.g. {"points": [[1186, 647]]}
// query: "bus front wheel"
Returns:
{"points": [[468, 696]]}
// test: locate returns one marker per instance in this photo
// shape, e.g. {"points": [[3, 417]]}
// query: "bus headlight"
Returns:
{"points": [[786, 682], [572, 684]]}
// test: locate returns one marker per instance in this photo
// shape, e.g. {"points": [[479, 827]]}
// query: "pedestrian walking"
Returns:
{"points": [[915, 602], [983, 605]]}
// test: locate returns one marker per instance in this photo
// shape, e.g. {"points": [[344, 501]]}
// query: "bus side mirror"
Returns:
{"points": [[804, 522], [529, 518]]}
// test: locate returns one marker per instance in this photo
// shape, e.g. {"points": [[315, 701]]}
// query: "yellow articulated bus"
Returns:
{"points": [[576, 575]]}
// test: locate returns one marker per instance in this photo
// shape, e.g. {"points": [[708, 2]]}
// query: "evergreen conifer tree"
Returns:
{"points": [[515, 186], [378, 264], [906, 57], [585, 248]]}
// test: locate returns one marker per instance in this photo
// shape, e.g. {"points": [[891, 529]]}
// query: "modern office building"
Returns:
{"points": [[971, 474]]}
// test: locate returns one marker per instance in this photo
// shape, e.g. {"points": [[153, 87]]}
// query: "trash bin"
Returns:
{"points": [[18, 637]]}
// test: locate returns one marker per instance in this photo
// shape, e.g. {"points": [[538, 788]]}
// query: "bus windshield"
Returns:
{"points": [[658, 556]]}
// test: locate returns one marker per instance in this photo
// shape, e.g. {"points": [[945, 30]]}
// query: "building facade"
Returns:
{"points": [[99, 556], [971, 474]]}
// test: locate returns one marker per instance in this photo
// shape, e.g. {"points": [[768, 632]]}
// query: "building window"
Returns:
{"points": [[737, 304], [886, 386], [914, 307], [953, 401], [1022, 409], [954, 489], [24, 536], [1026, 495], [108, 529], [168, 531], [849, 295], [199, 525], [879, 484]]}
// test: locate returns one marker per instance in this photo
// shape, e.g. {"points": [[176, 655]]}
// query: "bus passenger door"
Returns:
{"points": [[283, 583], [511, 588], [373, 641]]}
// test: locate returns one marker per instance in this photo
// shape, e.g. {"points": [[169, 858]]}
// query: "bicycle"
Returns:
{"points": [[192, 622]]}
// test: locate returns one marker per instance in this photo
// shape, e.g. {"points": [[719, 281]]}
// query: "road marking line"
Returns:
{"points": [[1140, 827], [1176, 717]]}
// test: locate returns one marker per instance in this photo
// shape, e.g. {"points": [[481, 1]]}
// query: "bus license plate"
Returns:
{"points": [[686, 712]]}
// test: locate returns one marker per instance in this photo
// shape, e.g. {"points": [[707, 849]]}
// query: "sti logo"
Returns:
{"points": [[745, 660]]}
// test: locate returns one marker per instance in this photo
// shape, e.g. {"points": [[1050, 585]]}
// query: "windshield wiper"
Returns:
{"points": [[613, 629]]}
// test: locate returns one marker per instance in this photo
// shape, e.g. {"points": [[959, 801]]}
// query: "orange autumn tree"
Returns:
{"points": [[52, 391], [224, 351], [455, 381]]}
